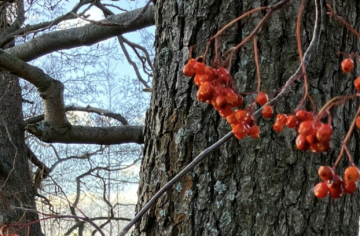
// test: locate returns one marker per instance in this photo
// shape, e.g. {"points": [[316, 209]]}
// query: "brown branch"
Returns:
{"points": [[9, 35], [89, 109], [85, 35]]}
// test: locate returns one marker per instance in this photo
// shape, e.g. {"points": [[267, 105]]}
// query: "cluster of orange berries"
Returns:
{"points": [[216, 88], [333, 184], [310, 133]]}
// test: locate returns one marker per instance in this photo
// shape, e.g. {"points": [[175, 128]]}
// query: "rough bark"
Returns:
{"points": [[248, 187]]}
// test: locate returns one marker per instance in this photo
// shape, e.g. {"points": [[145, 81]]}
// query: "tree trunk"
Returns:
{"points": [[16, 189], [254, 186]]}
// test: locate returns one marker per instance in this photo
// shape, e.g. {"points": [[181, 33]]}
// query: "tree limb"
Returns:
{"points": [[10, 33], [83, 36], [56, 127], [88, 135], [89, 109]]}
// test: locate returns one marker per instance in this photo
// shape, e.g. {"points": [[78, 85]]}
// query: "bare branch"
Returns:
{"points": [[10, 34], [83, 36], [89, 109], [56, 127], [88, 135], [121, 42]]}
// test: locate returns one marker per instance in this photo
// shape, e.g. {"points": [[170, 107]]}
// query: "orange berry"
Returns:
{"points": [[254, 131], [267, 111], [321, 190], [357, 84], [347, 65], [351, 174], [262, 99], [325, 173]]}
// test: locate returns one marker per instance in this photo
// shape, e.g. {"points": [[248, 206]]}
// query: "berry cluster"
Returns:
{"points": [[310, 133], [216, 88], [333, 184]]}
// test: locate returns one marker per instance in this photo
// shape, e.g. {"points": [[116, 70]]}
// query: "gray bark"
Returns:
{"points": [[254, 186]]}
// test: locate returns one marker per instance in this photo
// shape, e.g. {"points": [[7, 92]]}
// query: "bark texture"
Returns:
{"points": [[247, 187], [16, 189]]}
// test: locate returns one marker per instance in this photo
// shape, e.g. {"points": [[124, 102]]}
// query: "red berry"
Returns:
{"points": [[254, 131], [189, 68], [224, 76], [321, 190], [206, 92], [262, 99], [231, 97], [335, 191], [312, 138], [325, 173], [357, 84], [324, 133], [291, 121], [306, 128], [351, 174], [278, 126], [301, 143], [240, 131], [225, 112], [336, 181], [267, 111], [241, 115], [232, 119], [199, 68], [323, 147], [303, 115], [349, 187], [220, 101], [282, 118], [347, 65]]}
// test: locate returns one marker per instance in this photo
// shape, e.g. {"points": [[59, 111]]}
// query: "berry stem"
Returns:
{"points": [[236, 20], [298, 37], [332, 13], [257, 66], [343, 146]]}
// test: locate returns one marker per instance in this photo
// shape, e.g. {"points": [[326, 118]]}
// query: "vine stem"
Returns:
{"points": [[206, 152]]}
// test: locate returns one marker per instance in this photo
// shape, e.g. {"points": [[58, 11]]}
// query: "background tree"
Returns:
{"points": [[70, 79], [248, 187]]}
